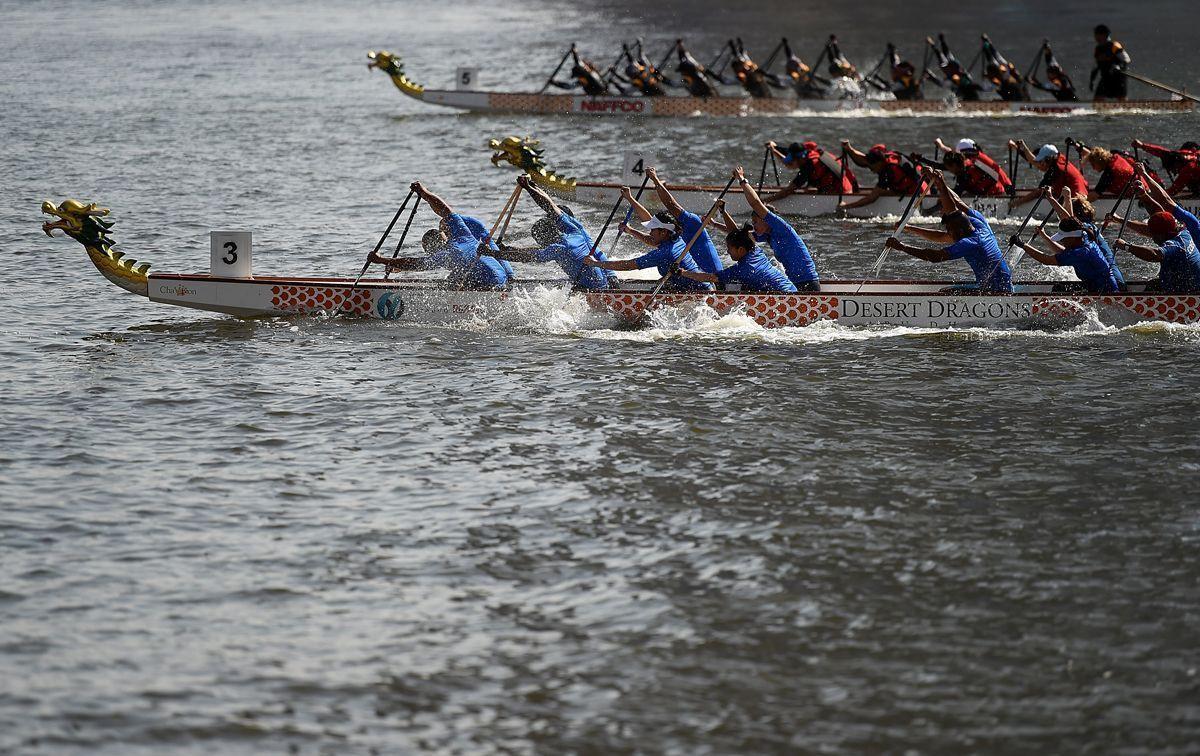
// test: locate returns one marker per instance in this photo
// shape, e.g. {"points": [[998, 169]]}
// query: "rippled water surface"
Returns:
{"points": [[551, 534]]}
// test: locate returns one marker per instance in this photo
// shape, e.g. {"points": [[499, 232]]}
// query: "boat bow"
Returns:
{"points": [[86, 224], [391, 65], [525, 154]]}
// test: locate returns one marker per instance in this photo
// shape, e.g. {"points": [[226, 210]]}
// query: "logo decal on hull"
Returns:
{"points": [[390, 306]]}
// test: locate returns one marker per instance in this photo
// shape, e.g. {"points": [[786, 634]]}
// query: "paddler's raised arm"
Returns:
{"points": [[726, 222], [436, 203], [1060, 208], [543, 200], [664, 195], [1149, 254], [1153, 191], [859, 157], [756, 203], [639, 210], [1020, 146]]}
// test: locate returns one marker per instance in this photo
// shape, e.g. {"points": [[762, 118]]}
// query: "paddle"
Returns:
{"points": [[1021, 252], [604, 229], [774, 167], [505, 215], [687, 248], [403, 235], [379, 244], [917, 195], [1160, 85], [1125, 190], [1025, 223], [558, 68], [762, 175]]}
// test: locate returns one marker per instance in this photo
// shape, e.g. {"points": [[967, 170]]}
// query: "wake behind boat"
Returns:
{"points": [[851, 302]]}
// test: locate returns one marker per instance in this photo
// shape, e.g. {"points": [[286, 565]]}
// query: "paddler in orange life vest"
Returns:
{"points": [[696, 77], [976, 173], [641, 74], [1057, 172], [839, 65], [1111, 61], [956, 74], [817, 171], [1058, 83], [806, 83], [1002, 74], [586, 76], [906, 82], [747, 71], [896, 174], [1184, 163]]}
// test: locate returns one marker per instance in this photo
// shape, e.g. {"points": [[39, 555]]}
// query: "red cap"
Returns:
{"points": [[809, 145], [1162, 224]]}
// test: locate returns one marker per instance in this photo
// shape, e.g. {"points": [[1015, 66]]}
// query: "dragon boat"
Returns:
{"points": [[542, 103], [527, 155], [851, 302]]}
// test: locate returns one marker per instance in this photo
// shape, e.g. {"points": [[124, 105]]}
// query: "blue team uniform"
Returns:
{"points": [[703, 251], [1108, 253], [756, 273], [460, 257], [982, 253], [790, 250], [1090, 266], [664, 256], [569, 252], [1180, 269], [481, 232]]}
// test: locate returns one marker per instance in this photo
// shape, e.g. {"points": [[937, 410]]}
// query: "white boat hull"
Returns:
{"points": [[785, 104], [926, 304]]}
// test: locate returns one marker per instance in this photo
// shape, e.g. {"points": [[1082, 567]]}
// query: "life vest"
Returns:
{"points": [[898, 175], [1063, 173], [1111, 56], [647, 82], [989, 166], [825, 173], [588, 78], [693, 76], [980, 180]]}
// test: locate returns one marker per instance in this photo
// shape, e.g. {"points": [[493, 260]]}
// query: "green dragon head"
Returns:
{"points": [[86, 225], [524, 154], [391, 65]]}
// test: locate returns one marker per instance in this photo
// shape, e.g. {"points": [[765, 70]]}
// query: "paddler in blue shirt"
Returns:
{"points": [[481, 233], [562, 240], [458, 250], [790, 250], [1072, 246], [751, 267], [967, 236], [668, 255], [703, 251]]}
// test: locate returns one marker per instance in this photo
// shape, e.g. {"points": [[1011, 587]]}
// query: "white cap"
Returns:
{"points": [[966, 144], [1047, 152], [1066, 235], [654, 223]]}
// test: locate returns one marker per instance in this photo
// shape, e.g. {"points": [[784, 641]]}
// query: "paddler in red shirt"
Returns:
{"points": [[897, 175], [1183, 162], [1057, 172], [1114, 168], [817, 171], [980, 175]]}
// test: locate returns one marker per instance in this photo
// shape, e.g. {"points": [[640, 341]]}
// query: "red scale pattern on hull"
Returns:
{"points": [[312, 299]]}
